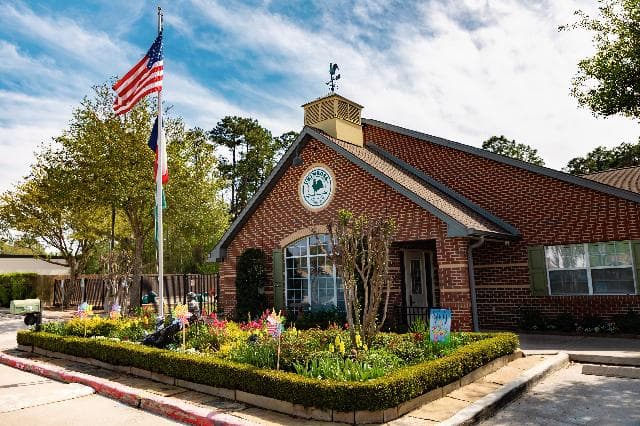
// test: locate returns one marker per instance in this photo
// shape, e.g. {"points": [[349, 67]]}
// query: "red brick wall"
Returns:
{"points": [[281, 213], [545, 210]]}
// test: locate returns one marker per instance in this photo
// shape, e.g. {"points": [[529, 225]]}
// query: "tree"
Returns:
{"points": [[113, 167], [47, 206], [24, 244], [196, 215], [608, 82], [509, 148], [360, 252], [603, 158], [254, 153], [101, 166]]}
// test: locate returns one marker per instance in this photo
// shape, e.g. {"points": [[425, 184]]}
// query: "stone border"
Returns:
{"points": [[485, 407], [352, 417]]}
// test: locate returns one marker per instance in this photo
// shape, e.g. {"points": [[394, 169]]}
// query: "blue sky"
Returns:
{"points": [[460, 69]]}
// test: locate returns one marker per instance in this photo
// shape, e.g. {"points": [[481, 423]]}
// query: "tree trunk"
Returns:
{"points": [[134, 288]]}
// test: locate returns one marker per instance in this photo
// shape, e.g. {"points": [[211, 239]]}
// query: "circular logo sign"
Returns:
{"points": [[316, 187]]}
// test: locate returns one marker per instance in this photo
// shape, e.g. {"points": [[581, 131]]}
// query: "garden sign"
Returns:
{"points": [[439, 325]]}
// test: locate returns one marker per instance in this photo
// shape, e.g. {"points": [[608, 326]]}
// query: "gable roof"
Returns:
{"points": [[627, 178], [462, 217], [545, 171]]}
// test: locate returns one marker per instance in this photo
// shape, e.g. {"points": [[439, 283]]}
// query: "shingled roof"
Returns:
{"points": [[583, 181], [440, 203], [463, 218], [627, 178]]}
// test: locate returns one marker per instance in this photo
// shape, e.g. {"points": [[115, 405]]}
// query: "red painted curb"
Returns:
{"points": [[163, 406]]}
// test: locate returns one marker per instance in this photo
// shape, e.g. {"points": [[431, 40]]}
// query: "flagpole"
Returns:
{"points": [[161, 155]]}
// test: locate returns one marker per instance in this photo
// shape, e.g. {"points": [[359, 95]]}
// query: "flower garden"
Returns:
{"points": [[324, 368]]}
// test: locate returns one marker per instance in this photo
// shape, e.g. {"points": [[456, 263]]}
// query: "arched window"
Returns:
{"points": [[310, 279]]}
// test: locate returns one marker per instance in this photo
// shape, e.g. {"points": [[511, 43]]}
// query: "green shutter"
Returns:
{"points": [[538, 272], [635, 250], [278, 280]]}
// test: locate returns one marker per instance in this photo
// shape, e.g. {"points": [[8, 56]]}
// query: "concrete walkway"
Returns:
{"points": [[567, 398]]}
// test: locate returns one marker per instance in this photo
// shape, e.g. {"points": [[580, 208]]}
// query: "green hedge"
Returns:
{"points": [[16, 286], [388, 391]]}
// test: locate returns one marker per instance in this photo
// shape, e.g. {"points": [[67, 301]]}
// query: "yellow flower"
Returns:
{"points": [[341, 348], [358, 341], [331, 347]]}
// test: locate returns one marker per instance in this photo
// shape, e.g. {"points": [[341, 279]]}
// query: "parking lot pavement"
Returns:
{"points": [[8, 329], [567, 397]]}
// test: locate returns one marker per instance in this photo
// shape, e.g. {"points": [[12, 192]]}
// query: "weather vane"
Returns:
{"points": [[333, 85]]}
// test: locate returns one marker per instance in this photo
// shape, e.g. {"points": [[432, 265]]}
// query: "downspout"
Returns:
{"points": [[472, 283]]}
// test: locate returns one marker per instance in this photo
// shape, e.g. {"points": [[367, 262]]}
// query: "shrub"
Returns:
{"points": [[591, 322], [123, 328], [565, 322], [628, 323], [251, 352], [337, 368], [390, 390], [250, 279], [16, 286], [203, 338], [318, 318], [532, 320]]}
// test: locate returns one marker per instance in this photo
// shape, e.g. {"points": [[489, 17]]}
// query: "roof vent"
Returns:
{"points": [[336, 116]]}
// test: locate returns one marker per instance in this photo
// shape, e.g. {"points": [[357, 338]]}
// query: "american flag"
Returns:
{"points": [[144, 78]]}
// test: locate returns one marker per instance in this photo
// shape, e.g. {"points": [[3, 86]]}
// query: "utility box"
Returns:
{"points": [[26, 306]]}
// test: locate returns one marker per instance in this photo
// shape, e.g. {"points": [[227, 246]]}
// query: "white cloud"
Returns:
{"points": [[65, 37], [462, 70], [506, 71]]}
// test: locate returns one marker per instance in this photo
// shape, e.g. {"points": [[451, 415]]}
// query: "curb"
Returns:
{"points": [[485, 407], [628, 361], [611, 371], [156, 404]]}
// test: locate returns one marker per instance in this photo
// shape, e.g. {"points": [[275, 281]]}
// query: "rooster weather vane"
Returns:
{"points": [[333, 85]]}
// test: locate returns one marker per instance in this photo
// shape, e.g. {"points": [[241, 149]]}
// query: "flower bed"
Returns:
{"points": [[321, 368]]}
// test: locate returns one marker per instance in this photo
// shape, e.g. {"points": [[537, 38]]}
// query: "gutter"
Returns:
{"points": [[472, 283]]}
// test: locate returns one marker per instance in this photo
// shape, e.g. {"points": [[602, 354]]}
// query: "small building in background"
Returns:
{"points": [[40, 283], [18, 263]]}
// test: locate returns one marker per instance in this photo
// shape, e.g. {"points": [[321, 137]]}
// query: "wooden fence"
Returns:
{"points": [[93, 289]]}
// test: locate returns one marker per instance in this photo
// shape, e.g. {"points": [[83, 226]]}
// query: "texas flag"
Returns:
{"points": [[153, 144]]}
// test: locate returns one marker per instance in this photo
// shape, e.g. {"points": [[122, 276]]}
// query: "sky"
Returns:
{"points": [[460, 69]]}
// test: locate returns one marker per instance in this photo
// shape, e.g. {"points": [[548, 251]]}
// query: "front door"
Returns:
{"points": [[418, 284], [415, 278]]}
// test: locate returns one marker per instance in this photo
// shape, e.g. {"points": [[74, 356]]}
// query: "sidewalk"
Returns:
{"points": [[605, 350]]}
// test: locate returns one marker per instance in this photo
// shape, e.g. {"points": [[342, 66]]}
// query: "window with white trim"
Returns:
{"points": [[590, 268], [310, 278]]}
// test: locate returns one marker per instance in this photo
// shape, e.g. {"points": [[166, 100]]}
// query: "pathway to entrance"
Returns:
{"points": [[568, 397]]}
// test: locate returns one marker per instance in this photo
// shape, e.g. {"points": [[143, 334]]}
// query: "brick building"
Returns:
{"points": [[483, 234]]}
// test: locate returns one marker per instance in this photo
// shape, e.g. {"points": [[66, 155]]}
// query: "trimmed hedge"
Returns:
{"points": [[16, 286], [388, 391]]}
